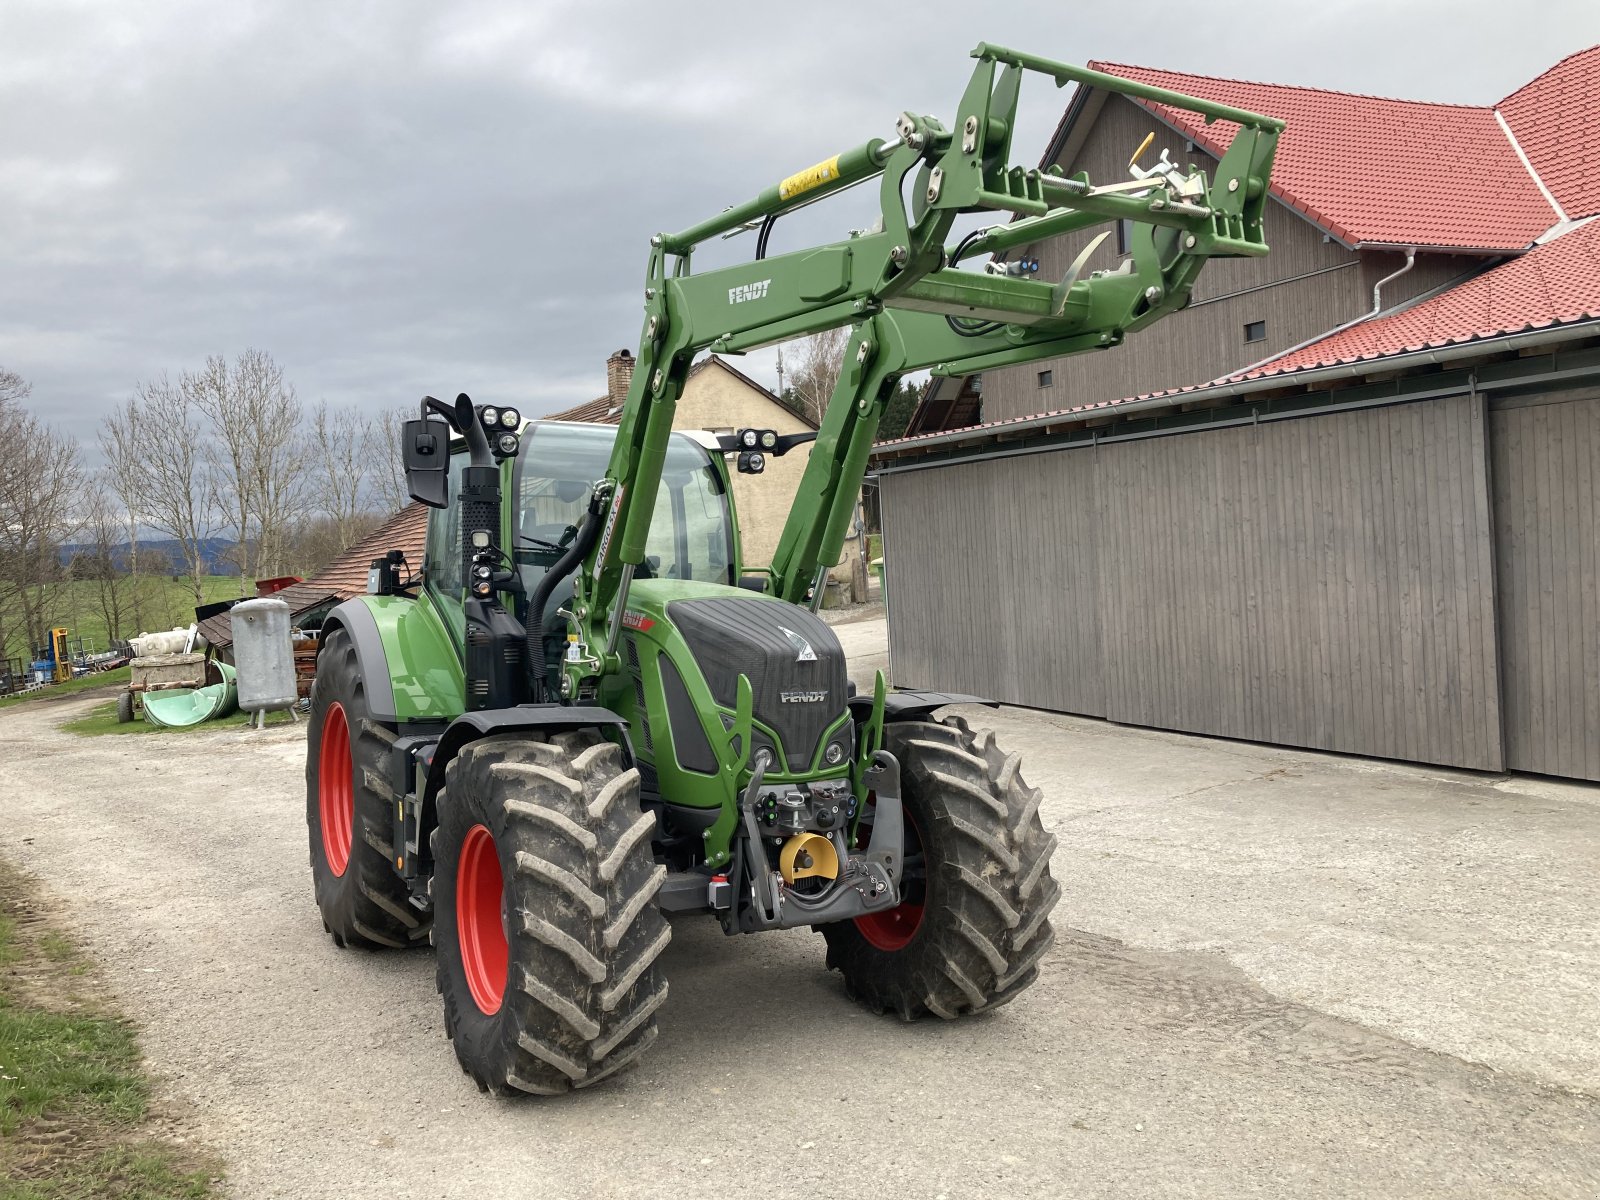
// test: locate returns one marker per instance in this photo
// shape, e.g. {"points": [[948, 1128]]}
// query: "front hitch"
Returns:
{"points": [[869, 882]]}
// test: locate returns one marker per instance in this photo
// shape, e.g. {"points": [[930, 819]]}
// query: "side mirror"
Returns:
{"points": [[425, 451]]}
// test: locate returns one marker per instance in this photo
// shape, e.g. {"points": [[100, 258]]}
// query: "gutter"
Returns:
{"points": [[1377, 307], [1548, 336]]}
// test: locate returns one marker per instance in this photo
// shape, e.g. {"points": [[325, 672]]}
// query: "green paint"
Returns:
{"points": [[424, 660]]}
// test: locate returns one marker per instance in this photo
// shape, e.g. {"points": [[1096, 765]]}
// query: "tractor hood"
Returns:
{"points": [[794, 662]]}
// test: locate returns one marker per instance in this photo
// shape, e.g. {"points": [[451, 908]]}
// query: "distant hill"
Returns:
{"points": [[213, 550]]}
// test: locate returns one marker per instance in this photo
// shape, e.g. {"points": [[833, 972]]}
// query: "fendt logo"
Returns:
{"points": [[806, 697], [748, 291]]}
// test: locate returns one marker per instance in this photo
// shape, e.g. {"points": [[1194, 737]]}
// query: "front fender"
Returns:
{"points": [[409, 666]]}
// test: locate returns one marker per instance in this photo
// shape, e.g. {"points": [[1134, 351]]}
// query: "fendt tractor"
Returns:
{"points": [[586, 710]]}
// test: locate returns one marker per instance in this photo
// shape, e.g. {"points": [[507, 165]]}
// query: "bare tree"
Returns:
{"points": [[256, 453], [387, 476], [812, 369], [40, 474], [157, 468], [105, 534], [341, 450]]}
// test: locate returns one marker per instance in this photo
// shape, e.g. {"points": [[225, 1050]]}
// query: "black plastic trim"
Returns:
{"points": [[909, 706]]}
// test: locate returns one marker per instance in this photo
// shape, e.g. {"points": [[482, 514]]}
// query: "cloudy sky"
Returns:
{"points": [[396, 197]]}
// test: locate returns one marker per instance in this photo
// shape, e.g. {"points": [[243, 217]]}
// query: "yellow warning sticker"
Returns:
{"points": [[811, 177]]}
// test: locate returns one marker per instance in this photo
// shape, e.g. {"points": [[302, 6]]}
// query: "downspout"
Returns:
{"points": [[1377, 307]]}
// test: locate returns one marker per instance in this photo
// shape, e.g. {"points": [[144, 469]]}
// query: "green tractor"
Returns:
{"points": [[586, 711]]}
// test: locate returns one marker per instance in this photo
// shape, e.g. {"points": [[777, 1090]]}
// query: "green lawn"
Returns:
{"points": [[149, 605], [83, 683], [68, 1062], [102, 720]]}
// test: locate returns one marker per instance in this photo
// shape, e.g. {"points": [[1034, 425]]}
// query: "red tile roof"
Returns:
{"points": [[1552, 284], [1555, 118], [1370, 169], [593, 412], [346, 575]]}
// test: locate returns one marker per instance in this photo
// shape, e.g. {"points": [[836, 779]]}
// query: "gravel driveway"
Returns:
{"points": [[1425, 1029]]}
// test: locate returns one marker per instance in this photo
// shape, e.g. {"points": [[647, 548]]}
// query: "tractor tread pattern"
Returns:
{"points": [[585, 937], [986, 926]]}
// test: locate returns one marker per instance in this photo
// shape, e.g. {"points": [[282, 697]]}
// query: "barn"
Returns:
{"points": [[1348, 500]]}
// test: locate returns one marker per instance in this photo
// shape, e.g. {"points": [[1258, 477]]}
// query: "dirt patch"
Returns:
{"points": [[76, 1113]]}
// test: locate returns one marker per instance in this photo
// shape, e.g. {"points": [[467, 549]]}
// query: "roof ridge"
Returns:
{"points": [[1550, 70], [1110, 69]]}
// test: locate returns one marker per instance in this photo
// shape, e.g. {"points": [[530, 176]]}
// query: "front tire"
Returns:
{"points": [[349, 811], [977, 888], [546, 932]]}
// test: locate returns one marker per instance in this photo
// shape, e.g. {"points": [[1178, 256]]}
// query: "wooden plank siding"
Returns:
{"points": [[1323, 582], [981, 557], [1546, 471]]}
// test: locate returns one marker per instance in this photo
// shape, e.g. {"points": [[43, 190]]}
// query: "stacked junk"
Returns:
{"points": [[175, 683]]}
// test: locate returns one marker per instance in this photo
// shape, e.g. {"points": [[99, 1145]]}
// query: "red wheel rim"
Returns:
{"points": [[480, 924], [893, 930], [336, 802]]}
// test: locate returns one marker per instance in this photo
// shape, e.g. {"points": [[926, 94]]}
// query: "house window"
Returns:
{"points": [[1255, 331], [1046, 378], [1125, 237]]}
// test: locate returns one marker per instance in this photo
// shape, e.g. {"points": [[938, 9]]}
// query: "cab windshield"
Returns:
{"points": [[691, 535]]}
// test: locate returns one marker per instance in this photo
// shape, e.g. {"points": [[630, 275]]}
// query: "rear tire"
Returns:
{"points": [[124, 708], [349, 811], [546, 932], [978, 890]]}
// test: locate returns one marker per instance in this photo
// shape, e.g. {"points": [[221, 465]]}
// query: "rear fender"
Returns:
{"points": [[409, 666], [912, 706]]}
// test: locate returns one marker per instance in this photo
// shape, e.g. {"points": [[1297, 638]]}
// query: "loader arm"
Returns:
{"points": [[913, 308]]}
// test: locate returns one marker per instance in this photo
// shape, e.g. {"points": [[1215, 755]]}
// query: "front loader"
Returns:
{"points": [[585, 711]]}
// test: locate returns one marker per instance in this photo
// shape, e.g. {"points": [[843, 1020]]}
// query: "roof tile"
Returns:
{"points": [[1555, 118], [1552, 284], [346, 575], [1372, 169]]}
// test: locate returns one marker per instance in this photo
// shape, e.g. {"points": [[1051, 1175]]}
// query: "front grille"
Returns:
{"points": [[762, 639]]}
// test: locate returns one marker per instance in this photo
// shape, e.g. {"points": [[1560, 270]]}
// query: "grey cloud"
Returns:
{"points": [[402, 197]]}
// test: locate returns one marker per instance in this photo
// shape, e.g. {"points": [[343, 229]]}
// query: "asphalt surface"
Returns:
{"points": [[1278, 973]]}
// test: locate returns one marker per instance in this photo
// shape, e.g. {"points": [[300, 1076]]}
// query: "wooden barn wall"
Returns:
{"points": [[1323, 582], [993, 586], [1547, 515]]}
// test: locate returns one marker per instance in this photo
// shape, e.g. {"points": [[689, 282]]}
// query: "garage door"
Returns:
{"points": [[1546, 469]]}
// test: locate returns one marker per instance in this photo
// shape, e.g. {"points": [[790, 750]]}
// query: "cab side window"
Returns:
{"points": [[444, 541]]}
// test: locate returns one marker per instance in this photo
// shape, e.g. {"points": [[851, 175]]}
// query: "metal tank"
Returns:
{"points": [[264, 655]]}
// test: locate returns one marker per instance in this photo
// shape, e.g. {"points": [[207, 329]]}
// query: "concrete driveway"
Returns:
{"points": [[1278, 973]]}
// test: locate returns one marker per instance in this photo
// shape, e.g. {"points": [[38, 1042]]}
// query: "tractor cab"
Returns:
{"points": [[692, 534]]}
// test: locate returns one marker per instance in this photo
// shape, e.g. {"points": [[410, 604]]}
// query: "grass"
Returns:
{"points": [[74, 1096], [102, 720], [874, 546], [162, 603], [83, 683]]}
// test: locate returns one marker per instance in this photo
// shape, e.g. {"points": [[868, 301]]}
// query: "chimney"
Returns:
{"points": [[619, 374]]}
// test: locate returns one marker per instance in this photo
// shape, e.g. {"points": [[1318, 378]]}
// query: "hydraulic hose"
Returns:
{"points": [[588, 535]]}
